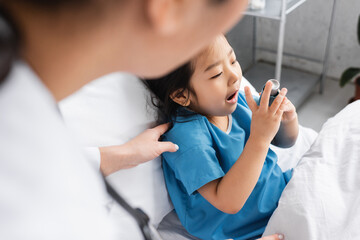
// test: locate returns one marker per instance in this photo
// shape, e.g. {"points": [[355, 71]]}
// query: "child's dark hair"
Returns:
{"points": [[163, 87]]}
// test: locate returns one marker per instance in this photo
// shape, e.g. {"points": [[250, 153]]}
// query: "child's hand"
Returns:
{"points": [[266, 119], [289, 110]]}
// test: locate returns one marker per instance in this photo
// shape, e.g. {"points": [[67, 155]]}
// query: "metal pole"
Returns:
{"points": [[281, 41], [254, 40], [327, 49]]}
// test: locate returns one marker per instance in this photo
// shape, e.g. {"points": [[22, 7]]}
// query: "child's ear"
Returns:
{"points": [[181, 97]]}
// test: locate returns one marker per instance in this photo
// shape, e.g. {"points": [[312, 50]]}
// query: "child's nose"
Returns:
{"points": [[233, 77]]}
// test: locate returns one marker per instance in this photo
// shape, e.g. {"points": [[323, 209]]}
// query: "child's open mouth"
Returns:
{"points": [[233, 97]]}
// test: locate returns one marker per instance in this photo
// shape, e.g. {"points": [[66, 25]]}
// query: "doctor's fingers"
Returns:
{"points": [[161, 129], [250, 99], [167, 147], [273, 237]]}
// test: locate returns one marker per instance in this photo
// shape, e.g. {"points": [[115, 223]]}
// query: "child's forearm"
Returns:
{"points": [[287, 134], [230, 193]]}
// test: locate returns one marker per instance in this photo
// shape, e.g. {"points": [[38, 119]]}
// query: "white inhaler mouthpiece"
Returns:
{"points": [[274, 91], [275, 87], [257, 4]]}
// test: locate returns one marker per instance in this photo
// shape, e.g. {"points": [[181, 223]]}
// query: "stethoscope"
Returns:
{"points": [[148, 231]]}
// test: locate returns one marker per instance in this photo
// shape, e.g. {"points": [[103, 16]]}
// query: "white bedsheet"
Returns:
{"points": [[322, 200]]}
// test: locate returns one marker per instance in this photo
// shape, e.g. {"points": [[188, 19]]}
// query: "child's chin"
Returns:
{"points": [[230, 111], [225, 112], [233, 108]]}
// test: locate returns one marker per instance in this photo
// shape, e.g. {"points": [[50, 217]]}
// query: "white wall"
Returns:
{"points": [[241, 39], [306, 34]]}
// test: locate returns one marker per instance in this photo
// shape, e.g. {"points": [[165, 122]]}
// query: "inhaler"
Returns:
{"points": [[274, 91]]}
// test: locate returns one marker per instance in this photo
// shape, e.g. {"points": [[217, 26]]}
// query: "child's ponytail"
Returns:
{"points": [[164, 86]]}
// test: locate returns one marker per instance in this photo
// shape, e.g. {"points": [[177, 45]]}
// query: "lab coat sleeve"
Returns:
{"points": [[92, 154]]}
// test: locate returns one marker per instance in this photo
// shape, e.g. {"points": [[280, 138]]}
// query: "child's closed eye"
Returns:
{"points": [[217, 75]]}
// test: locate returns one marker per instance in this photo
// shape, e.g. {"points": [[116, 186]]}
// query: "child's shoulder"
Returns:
{"points": [[193, 123], [188, 129]]}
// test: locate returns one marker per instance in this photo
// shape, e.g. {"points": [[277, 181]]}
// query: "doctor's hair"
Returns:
{"points": [[162, 88], [10, 36], [9, 43]]}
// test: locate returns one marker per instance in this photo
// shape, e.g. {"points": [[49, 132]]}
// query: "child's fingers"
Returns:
{"points": [[250, 99], [264, 102], [278, 101], [284, 105], [279, 113]]}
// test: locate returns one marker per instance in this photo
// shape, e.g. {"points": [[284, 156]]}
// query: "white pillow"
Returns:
{"points": [[244, 82]]}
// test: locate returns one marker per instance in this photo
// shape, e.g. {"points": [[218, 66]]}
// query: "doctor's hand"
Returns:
{"points": [[140, 149], [273, 237]]}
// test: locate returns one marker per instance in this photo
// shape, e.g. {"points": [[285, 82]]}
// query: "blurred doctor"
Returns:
{"points": [[48, 50]]}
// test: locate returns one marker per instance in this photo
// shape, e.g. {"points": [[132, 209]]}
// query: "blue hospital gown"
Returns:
{"points": [[207, 153]]}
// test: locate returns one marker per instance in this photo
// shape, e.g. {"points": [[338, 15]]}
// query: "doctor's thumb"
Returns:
{"points": [[168, 147], [273, 237]]}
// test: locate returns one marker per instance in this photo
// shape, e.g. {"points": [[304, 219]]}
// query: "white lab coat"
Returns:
{"points": [[47, 188]]}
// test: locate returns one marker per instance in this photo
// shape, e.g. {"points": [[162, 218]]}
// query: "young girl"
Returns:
{"points": [[224, 180]]}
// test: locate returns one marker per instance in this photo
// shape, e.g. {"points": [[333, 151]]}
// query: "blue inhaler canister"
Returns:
{"points": [[274, 91]]}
